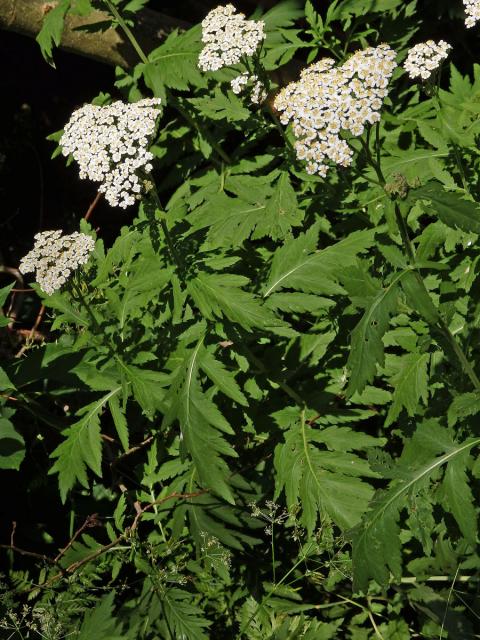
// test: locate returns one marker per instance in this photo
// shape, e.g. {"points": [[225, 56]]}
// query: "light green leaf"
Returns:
{"points": [[281, 213], [367, 345], [81, 448], [467, 404], [201, 424], [376, 541], [450, 206], [119, 420], [52, 28], [324, 481], [297, 264], [12, 446], [221, 377], [410, 384]]}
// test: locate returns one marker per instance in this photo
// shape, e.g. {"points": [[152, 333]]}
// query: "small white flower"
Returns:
{"points": [[472, 9], [110, 145], [424, 58], [252, 83], [328, 100], [228, 36], [54, 257]]}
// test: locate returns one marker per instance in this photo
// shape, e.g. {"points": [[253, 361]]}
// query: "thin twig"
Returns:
{"points": [[91, 521], [92, 206]]}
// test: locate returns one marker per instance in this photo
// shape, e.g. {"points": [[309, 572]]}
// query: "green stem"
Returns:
{"points": [[465, 365], [170, 98], [281, 130], [84, 303], [133, 41], [168, 238]]}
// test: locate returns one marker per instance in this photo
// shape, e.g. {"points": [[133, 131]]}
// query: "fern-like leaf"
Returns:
{"points": [[376, 541], [81, 448], [201, 425], [324, 480]]}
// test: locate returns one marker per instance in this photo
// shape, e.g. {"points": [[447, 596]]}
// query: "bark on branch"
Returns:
{"points": [[110, 46]]}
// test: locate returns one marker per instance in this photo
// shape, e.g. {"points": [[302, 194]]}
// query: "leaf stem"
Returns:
{"points": [[175, 256], [127, 31], [465, 365]]}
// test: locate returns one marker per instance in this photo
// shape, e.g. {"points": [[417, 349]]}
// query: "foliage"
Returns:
{"points": [[258, 406]]}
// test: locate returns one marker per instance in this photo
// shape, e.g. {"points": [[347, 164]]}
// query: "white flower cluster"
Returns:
{"points": [[424, 58], [110, 145], [246, 81], [472, 9], [54, 257], [228, 36], [328, 99]]}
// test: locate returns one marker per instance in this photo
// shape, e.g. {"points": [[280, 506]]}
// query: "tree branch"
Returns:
{"points": [[110, 46]]}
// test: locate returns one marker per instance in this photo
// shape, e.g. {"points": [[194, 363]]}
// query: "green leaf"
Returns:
{"points": [[376, 541], [5, 383], [281, 213], [184, 618], [81, 448], [52, 28], [119, 420], [174, 63], [99, 622], [467, 404], [410, 384], [297, 264], [366, 344], [12, 446], [221, 377], [325, 481], [201, 424], [218, 295], [451, 207], [221, 106]]}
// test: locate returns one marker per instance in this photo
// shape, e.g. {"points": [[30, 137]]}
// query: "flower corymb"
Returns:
{"points": [[54, 257], [472, 9], [328, 100], [424, 58], [228, 36], [251, 83], [110, 144]]}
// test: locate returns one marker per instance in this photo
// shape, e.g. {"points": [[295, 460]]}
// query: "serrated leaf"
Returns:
{"points": [[218, 295], [376, 541], [119, 420], [99, 622], [52, 28], [451, 207], [174, 63], [12, 445], [467, 404], [297, 264], [221, 106], [221, 377], [366, 342], [201, 425], [184, 618], [409, 384], [323, 481], [281, 212], [81, 448]]}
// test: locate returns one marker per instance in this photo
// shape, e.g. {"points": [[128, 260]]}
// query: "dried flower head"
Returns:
{"points": [[228, 36], [54, 257], [251, 84], [110, 144], [328, 100], [424, 58], [472, 9]]}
